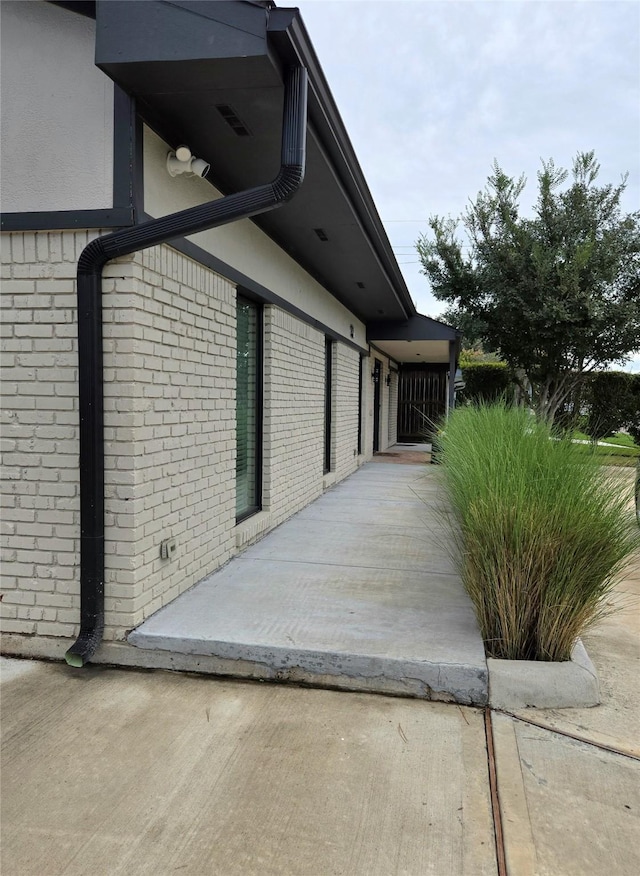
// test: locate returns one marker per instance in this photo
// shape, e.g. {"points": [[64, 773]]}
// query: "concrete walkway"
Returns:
{"points": [[111, 771], [356, 591], [126, 773]]}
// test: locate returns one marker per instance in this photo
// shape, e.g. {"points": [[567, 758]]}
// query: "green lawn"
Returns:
{"points": [[620, 438], [621, 448], [614, 455]]}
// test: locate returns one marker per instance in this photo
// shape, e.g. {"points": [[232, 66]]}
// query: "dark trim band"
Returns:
{"points": [[127, 153], [59, 220]]}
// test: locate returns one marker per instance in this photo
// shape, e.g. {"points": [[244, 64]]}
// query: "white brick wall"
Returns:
{"points": [[388, 412], [346, 363], [392, 409], [293, 413], [40, 515], [183, 443], [169, 431], [169, 330]]}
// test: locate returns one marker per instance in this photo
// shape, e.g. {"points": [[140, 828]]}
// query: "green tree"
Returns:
{"points": [[472, 330], [556, 295], [612, 403]]}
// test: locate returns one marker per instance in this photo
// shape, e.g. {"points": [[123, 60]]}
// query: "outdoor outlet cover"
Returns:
{"points": [[167, 548]]}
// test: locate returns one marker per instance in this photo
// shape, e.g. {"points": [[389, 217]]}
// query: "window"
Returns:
{"points": [[248, 408], [360, 365], [328, 391]]}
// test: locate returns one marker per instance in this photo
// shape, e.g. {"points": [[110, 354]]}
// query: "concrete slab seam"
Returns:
{"points": [[574, 736], [495, 796], [318, 563]]}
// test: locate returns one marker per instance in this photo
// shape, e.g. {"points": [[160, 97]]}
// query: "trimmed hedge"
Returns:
{"points": [[485, 381]]}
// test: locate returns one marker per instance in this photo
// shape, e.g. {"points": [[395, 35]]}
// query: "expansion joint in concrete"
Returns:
{"points": [[576, 737], [501, 858]]}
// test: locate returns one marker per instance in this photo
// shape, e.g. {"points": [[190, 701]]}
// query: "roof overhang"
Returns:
{"points": [[417, 340], [183, 60]]}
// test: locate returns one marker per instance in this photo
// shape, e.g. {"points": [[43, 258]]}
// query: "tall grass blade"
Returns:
{"points": [[543, 532]]}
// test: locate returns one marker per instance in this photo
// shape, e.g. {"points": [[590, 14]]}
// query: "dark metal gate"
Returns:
{"points": [[422, 396]]}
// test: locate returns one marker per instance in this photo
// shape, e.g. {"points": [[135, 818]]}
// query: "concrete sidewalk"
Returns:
{"points": [[356, 591], [111, 771], [123, 772]]}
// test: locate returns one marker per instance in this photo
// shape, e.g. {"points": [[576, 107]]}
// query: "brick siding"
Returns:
{"points": [[169, 336]]}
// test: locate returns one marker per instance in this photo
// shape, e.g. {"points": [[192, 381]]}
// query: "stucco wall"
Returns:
{"points": [[57, 112]]}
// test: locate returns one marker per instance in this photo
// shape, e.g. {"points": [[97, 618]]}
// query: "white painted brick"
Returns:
{"points": [[53, 628], [10, 625], [8, 611], [20, 598], [170, 428]]}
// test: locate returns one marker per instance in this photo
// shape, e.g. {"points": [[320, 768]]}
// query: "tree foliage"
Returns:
{"points": [[472, 329], [613, 401], [558, 294]]}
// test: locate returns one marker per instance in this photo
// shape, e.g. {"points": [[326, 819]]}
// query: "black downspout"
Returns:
{"points": [[90, 354]]}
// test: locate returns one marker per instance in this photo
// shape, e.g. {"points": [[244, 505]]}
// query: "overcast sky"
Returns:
{"points": [[431, 91]]}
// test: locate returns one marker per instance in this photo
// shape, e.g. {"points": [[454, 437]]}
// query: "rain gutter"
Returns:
{"points": [[94, 257]]}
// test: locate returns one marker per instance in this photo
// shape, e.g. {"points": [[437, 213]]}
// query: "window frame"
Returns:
{"points": [[329, 344], [259, 391]]}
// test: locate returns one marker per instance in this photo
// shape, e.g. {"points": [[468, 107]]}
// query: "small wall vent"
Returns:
{"points": [[231, 118], [322, 234], [360, 284]]}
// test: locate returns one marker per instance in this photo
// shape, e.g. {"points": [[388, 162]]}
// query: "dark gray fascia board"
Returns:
{"points": [[289, 35], [80, 7], [178, 34], [418, 328]]}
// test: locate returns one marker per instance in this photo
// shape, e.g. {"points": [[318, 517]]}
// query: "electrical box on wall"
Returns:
{"points": [[168, 548]]}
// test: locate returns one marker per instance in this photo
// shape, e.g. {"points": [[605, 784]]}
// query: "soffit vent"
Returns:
{"points": [[231, 118]]}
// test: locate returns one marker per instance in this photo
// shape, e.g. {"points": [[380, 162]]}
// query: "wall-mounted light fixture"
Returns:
{"points": [[388, 379], [183, 162]]}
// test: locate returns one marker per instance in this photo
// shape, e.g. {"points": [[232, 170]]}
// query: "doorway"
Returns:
{"points": [[377, 403]]}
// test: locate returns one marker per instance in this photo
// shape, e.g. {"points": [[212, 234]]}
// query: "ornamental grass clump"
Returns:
{"points": [[542, 530]]}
